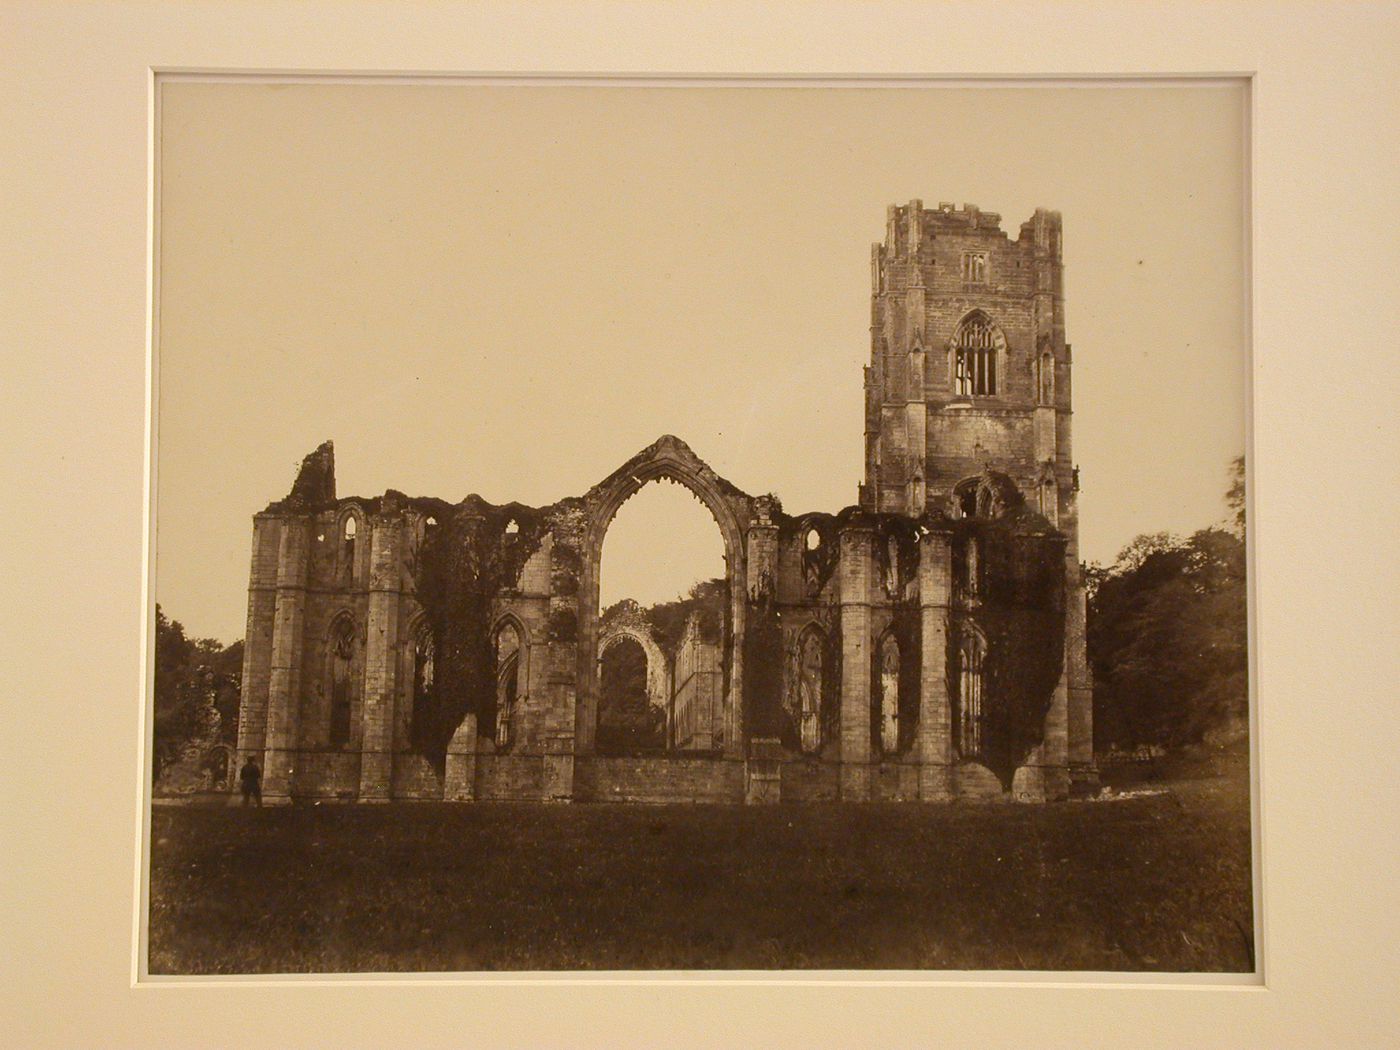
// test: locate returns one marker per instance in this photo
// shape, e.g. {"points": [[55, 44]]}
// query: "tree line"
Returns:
{"points": [[1168, 637], [193, 677]]}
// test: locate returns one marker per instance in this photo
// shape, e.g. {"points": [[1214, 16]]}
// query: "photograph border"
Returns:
{"points": [[1320, 84], [679, 81]]}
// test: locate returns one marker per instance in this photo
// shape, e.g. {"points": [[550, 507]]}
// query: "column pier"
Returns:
{"points": [[934, 740], [382, 657], [284, 677], [855, 569]]}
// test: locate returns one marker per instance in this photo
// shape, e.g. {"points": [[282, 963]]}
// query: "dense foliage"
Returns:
{"points": [[1167, 636], [627, 719], [192, 677], [708, 598]]}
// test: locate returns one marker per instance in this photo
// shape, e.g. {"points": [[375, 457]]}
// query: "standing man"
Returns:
{"points": [[250, 777]]}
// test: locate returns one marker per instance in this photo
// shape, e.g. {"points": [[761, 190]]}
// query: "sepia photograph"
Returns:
{"points": [[652, 527]]}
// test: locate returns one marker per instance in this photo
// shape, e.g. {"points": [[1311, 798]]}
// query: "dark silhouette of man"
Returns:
{"points": [[250, 778]]}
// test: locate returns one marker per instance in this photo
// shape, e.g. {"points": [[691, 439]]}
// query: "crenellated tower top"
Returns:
{"points": [[969, 369]]}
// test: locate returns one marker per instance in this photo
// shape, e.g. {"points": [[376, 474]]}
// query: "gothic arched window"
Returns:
{"points": [[424, 653], [340, 661], [889, 694], [808, 681], [976, 347], [509, 672], [348, 534], [972, 654]]}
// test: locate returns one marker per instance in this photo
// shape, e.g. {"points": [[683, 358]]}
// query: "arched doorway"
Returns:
{"points": [[632, 713]]}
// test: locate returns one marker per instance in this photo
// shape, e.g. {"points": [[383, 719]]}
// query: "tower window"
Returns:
{"points": [[974, 267], [975, 360]]}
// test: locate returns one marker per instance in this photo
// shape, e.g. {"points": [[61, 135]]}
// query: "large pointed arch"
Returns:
{"points": [[670, 459]]}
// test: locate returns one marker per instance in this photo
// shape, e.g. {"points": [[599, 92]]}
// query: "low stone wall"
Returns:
{"points": [[415, 777], [974, 782], [805, 781], [894, 781], [335, 776], [599, 778], [326, 775], [509, 777]]}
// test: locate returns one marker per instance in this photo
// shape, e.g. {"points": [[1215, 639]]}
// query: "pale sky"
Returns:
{"points": [[511, 290]]}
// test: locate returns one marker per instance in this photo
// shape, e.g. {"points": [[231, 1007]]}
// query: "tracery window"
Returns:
{"points": [[341, 659], [508, 674], [975, 352], [972, 653], [974, 267]]}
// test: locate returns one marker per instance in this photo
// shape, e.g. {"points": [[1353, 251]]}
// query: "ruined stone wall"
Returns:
{"points": [[885, 569], [699, 683]]}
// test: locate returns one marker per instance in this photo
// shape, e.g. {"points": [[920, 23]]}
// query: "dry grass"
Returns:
{"points": [[1157, 882]]}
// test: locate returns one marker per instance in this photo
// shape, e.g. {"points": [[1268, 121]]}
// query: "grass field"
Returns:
{"points": [[1153, 882]]}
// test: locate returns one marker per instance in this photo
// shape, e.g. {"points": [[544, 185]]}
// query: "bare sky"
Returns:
{"points": [[510, 290]]}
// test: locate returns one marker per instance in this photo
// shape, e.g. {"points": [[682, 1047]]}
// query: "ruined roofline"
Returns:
{"points": [[314, 487], [969, 218], [316, 476]]}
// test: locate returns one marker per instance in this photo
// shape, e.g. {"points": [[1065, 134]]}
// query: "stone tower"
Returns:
{"points": [[970, 373]]}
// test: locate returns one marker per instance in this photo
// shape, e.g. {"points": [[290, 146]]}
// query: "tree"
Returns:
{"points": [[1235, 494], [190, 676], [1167, 636]]}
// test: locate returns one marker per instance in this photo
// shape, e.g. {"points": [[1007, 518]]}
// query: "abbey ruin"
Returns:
{"points": [[926, 643]]}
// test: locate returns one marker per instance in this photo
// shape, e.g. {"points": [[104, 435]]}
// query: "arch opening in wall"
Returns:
{"points": [[349, 539], [512, 684], [421, 689], [340, 662], [630, 720], [987, 495], [664, 576]]}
